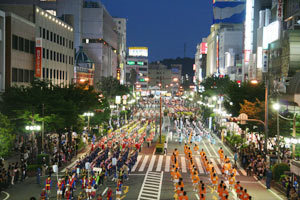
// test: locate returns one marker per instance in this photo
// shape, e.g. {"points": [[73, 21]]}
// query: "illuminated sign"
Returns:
{"points": [[203, 48], [217, 52], [138, 51], [142, 80], [38, 57], [249, 21], [140, 63], [130, 62], [194, 67], [271, 33]]}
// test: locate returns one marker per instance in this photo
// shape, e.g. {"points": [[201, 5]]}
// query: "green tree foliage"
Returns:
{"points": [[111, 87], [6, 136], [215, 85]]}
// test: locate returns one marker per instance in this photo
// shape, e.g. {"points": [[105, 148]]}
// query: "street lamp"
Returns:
{"points": [[33, 128], [276, 106], [88, 114]]}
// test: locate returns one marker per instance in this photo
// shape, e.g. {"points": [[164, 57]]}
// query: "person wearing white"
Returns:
{"points": [[165, 147]]}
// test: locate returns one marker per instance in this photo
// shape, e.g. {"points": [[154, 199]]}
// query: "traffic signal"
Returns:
{"points": [[118, 74]]}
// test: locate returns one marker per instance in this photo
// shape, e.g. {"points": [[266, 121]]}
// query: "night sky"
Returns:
{"points": [[164, 25]]}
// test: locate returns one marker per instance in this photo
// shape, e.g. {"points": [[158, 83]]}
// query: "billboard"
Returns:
{"points": [[138, 51], [229, 12], [38, 58], [271, 33]]}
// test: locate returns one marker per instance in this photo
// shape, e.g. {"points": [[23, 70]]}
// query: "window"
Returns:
{"points": [[57, 39], [54, 56], [54, 73], [50, 73], [57, 56], [26, 76], [21, 44], [47, 53], [60, 57], [47, 73], [15, 42], [54, 37], [51, 36], [47, 34], [20, 75], [72, 60], [63, 76], [27, 46], [32, 47], [51, 54], [44, 52], [67, 42], [70, 44], [66, 75], [63, 58], [40, 31], [44, 33], [43, 72], [63, 41], [60, 40], [14, 75], [31, 74], [59, 74]]}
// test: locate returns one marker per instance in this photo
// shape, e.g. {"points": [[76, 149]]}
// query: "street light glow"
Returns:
{"points": [[276, 106], [88, 114], [214, 98], [254, 82]]}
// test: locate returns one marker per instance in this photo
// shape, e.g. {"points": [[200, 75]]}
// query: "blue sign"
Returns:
{"points": [[229, 12]]}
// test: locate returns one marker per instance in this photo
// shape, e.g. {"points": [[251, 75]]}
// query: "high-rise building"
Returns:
{"points": [[200, 61]]}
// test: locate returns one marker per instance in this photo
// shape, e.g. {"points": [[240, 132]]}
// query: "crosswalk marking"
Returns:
{"points": [[183, 165], [160, 160], [137, 162], [167, 165], [144, 163], [152, 163], [215, 166], [199, 165]]}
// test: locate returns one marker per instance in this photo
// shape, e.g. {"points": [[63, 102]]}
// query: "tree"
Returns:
{"points": [[111, 87], [6, 136]]}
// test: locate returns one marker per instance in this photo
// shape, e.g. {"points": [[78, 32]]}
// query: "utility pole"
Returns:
{"points": [[160, 109], [43, 126], [266, 113]]}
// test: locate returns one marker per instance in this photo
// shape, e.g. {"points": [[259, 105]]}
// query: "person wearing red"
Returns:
{"points": [[43, 194], [68, 193], [59, 189], [84, 182], [109, 194], [48, 185]]}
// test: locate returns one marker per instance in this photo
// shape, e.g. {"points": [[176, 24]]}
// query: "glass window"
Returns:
{"points": [[47, 73], [63, 41], [50, 73], [57, 39], [51, 36], [47, 34], [47, 53], [54, 37], [15, 42], [14, 75], [70, 44], [43, 72], [32, 47], [60, 57], [60, 40], [66, 75], [44, 52], [40, 31], [63, 76], [44, 33], [57, 57], [51, 54], [20, 75], [26, 76], [54, 56], [27, 46], [59, 74], [54, 73], [21, 44]]}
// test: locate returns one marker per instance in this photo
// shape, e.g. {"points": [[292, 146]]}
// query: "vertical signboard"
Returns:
{"points": [[280, 10], [38, 57], [265, 61], [217, 53]]}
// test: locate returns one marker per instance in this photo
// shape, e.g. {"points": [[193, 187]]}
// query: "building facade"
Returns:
{"points": [[2, 51], [19, 51]]}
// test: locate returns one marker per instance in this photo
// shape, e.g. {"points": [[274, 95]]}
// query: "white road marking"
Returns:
{"points": [[151, 187], [137, 162], [207, 150], [197, 196], [215, 166], [199, 164], [213, 149], [167, 165], [144, 163], [276, 195], [151, 163], [159, 164], [103, 193], [183, 165], [7, 195]]}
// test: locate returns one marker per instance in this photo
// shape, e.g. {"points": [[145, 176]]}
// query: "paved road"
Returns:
{"points": [[150, 178]]}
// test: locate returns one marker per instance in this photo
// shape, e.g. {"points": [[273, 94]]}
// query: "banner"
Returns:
{"points": [[38, 57], [229, 12]]}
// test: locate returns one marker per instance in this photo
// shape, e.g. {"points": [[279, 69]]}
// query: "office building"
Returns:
{"points": [[2, 51]]}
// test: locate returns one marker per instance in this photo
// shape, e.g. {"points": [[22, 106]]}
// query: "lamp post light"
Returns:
{"points": [[276, 106], [33, 128], [88, 114]]}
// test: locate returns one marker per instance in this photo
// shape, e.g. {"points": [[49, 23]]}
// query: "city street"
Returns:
{"points": [[150, 176]]}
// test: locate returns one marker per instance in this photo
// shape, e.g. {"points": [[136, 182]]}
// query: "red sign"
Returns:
{"points": [[218, 52], [38, 58], [203, 48], [280, 10], [247, 55]]}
